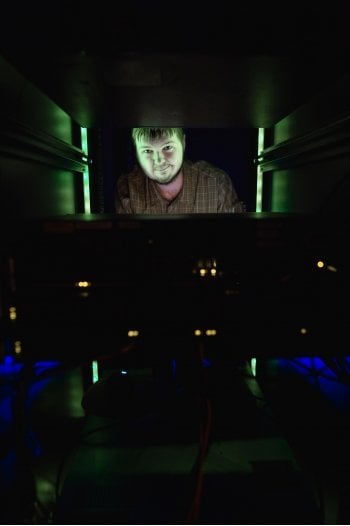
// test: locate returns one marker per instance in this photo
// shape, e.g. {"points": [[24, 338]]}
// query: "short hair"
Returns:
{"points": [[155, 133]]}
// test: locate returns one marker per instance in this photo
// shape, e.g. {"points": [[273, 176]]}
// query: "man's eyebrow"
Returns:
{"points": [[150, 146], [145, 146]]}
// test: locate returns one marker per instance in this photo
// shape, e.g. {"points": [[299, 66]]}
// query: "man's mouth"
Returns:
{"points": [[162, 170]]}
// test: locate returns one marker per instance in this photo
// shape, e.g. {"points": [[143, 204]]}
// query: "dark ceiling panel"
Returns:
{"points": [[149, 63]]}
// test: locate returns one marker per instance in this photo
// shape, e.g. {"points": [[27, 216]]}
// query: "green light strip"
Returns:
{"points": [[86, 176], [259, 174], [94, 371], [253, 366], [258, 205]]}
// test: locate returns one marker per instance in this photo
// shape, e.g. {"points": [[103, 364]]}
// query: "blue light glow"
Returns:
{"points": [[331, 376], [8, 360], [42, 366], [9, 368], [206, 363]]}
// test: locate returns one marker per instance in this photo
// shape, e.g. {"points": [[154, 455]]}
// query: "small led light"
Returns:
{"points": [[210, 332], [133, 333], [197, 332], [83, 284], [12, 313]]}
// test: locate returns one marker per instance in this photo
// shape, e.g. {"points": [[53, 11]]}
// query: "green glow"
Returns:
{"points": [[65, 192], [283, 195], [86, 176], [259, 174], [253, 366], [94, 371]]}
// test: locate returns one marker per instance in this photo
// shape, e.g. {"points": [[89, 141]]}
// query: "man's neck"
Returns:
{"points": [[171, 190]]}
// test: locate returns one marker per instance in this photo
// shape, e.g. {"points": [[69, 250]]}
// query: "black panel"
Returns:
{"points": [[154, 274]]}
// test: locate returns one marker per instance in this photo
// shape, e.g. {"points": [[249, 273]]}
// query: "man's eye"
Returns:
{"points": [[147, 151], [168, 148]]}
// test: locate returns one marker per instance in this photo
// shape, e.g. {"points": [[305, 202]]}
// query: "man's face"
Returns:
{"points": [[161, 158]]}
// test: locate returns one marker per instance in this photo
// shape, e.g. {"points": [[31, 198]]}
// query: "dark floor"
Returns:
{"points": [[41, 417], [278, 447]]}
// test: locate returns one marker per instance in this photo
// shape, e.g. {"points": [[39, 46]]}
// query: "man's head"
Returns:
{"points": [[160, 152]]}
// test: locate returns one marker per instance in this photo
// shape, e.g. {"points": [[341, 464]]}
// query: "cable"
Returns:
{"points": [[205, 428], [333, 192], [204, 435]]}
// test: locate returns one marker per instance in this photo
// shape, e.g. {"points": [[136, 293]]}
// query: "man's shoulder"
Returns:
{"points": [[130, 183], [206, 169], [132, 178], [134, 175]]}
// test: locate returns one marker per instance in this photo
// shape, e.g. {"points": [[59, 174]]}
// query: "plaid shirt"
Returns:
{"points": [[206, 189]]}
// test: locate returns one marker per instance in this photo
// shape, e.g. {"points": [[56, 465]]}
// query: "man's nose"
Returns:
{"points": [[157, 157]]}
